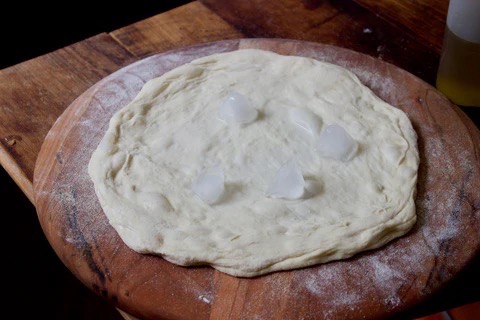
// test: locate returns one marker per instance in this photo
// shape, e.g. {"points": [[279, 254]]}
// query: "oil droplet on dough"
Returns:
{"points": [[236, 109], [288, 182], [335, 143], [210, 185]]}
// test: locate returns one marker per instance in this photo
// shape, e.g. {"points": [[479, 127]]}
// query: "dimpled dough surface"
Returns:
{"points": [[156, 146]]}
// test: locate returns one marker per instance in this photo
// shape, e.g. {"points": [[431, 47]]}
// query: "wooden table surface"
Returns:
{"points": [[34, 93]]}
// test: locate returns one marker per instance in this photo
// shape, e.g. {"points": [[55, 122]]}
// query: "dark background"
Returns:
{"points": [[35, 277], [32, 28]]}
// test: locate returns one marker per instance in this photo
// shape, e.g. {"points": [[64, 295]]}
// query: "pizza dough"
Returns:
{"points": [[233, 161]]}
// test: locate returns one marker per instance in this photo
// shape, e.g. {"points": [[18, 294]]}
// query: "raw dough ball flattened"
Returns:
{"points": [[158, 145]]}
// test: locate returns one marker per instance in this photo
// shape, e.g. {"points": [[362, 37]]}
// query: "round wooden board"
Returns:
{"points": [[371, 285]]}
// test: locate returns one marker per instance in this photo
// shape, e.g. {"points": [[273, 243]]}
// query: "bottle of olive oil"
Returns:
{"points": [[459, 72]]}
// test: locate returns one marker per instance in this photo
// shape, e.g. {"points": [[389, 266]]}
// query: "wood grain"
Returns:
{"points": [[187, 25], [341, 23], [422, 19], [372, 285], [35, 93]]}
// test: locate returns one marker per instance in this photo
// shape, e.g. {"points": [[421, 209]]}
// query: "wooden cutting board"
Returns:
{"points": [[371, 285]]}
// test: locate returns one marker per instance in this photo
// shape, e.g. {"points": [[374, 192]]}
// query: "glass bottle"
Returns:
{"points": [[459, 71]]}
